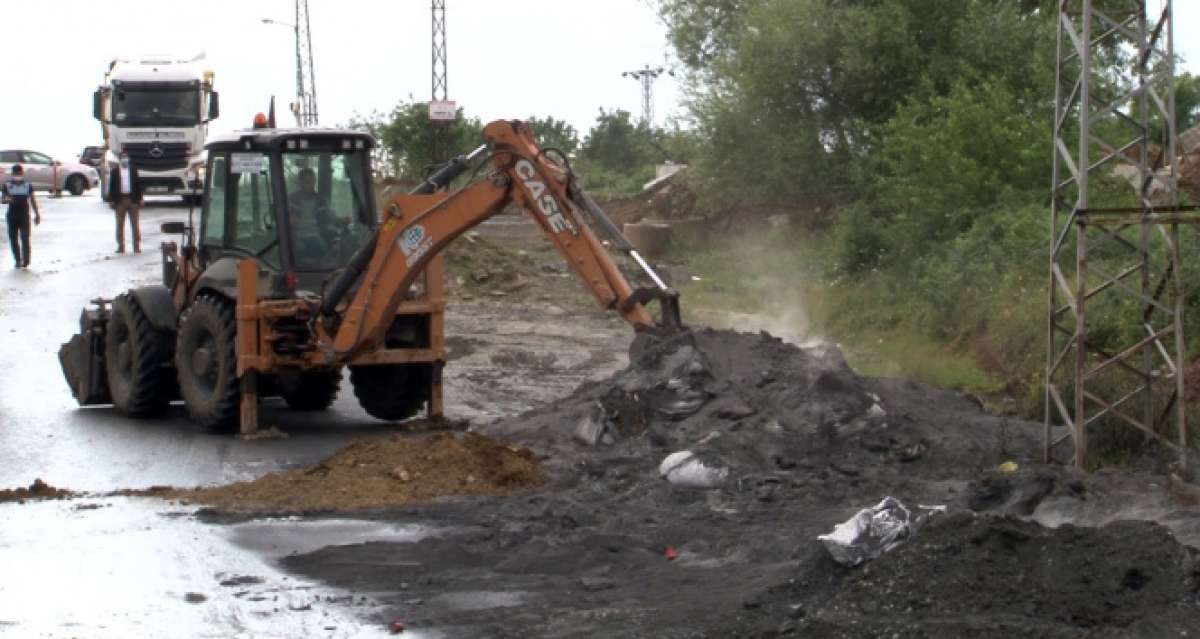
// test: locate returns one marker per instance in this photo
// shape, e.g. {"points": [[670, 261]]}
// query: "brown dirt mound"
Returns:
{"points": [[476, 265], [378, 473], [37, 490], [670, 199]]}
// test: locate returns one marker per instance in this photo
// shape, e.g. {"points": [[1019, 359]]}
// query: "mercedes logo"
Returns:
{"points": [[156, 151]]}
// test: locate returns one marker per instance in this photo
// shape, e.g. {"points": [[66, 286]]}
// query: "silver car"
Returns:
{"points": [[48, 174]]}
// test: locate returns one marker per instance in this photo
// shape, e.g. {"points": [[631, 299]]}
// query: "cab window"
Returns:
{"points": [[328, 206], [36, 158]]}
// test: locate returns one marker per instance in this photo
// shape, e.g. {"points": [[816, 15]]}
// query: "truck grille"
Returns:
{"points": [[158, 156]]}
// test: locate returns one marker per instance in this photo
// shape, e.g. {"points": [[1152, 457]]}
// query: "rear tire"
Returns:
{"points": [[392, 392], [206, 361], [137, 361], [313, 391], [76, 185]]}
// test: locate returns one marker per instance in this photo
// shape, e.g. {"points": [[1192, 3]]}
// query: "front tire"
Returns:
{"points": [[310, 391], [206, 361], [76, 185], [137, 359], [392, 392]]}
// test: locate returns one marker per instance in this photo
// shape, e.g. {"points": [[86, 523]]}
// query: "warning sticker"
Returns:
{"points": [[247, 163]]}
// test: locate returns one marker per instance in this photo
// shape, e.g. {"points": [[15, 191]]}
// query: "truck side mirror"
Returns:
{"points": [[98, 105], [214, 105]]}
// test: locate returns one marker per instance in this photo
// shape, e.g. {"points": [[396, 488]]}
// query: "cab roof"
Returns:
{"points": [[275, 139]]}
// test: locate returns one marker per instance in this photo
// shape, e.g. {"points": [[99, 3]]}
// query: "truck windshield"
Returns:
{"points": [[328, 211], [156, 108]]}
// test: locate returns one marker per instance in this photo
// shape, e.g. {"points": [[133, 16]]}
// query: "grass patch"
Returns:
{"points": [[778, 281]]}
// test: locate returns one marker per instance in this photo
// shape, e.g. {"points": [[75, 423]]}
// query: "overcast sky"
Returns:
{"points": [[508, 58]]}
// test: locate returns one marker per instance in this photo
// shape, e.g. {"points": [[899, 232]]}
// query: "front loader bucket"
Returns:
{"points": [[82, 359]]}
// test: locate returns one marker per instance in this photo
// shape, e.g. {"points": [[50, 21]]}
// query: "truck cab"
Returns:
{"points": [[156, 110]]}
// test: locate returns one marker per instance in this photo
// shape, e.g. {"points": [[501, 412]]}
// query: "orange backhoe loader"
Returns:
{"points": [[292, 275]]}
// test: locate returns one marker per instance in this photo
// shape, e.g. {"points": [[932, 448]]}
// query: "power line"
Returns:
{"points": [[646, 76]]}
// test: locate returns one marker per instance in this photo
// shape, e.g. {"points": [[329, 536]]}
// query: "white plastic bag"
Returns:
{"points": [[872, 532], [683, 468]]}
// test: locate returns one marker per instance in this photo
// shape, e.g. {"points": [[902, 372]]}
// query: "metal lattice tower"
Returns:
{"points": [[646, 77], [439, 92], [1115, 240], [305, 106]]}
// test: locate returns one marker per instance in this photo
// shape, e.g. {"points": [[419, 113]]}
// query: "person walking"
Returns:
{"points": [[125, 197], [18, 195]]}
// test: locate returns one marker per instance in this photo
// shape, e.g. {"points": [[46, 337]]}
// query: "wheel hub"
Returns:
{"points": [[124, 356], [202, 361]]}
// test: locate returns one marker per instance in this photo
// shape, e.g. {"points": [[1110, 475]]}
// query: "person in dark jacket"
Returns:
{"points": [[125, 197], [18, 195]]}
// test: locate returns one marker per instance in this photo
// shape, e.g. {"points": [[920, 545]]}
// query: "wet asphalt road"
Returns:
{"points": [[45, 434], [124, 567]]}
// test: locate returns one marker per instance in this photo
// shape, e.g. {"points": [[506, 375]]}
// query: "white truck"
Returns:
{"points": [[156, 109]]}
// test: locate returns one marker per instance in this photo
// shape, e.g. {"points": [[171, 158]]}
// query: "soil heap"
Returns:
{"points": [[667, 199], [37, 490], [750, 404], [378, 473], [989, 576]]}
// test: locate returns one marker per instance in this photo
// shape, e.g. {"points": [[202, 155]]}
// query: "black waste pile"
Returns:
{"points": [[988, 576]]}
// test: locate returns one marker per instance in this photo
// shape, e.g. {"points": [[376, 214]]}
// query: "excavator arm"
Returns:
{"points": [[417, 226]]}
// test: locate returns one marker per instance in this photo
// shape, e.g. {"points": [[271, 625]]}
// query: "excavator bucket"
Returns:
{"points": [[82, 359]]}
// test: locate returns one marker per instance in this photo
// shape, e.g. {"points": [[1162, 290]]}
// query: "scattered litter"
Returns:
{"points": [[1008, 467], [592, 429], [872, 532], [684, 468], [396, 627], [670, 553]]}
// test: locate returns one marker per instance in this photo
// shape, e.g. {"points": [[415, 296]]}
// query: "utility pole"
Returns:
{"points": [[1115, 256], [646, 76], [306, 90], [442, 112], [305, 106]]}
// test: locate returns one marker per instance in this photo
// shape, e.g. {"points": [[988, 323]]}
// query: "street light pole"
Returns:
{"points": [[305, 106]]}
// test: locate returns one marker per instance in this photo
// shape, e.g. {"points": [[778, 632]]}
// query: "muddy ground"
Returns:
{"points": [[594, 540], [799, 442]]}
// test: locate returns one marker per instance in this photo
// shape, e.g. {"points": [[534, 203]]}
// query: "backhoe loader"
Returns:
{"points": [[292, 275]]}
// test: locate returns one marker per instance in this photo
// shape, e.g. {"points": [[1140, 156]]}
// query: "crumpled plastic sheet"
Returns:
{"points": [[874, 531], [684, 468]]}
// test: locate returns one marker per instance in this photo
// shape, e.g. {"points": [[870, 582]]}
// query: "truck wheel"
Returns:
{"points": [[311, 390], [207, 363], [137, 359], [392, 392], [76, 185]]}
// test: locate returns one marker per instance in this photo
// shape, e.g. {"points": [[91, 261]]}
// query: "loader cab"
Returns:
{"points": [[297, 200]]}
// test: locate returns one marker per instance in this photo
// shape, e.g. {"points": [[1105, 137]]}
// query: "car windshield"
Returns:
{"points": [[156, 108], [329, 212]]}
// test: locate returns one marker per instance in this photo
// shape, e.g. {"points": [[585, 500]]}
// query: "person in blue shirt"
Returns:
{"points": [[18, 195]]}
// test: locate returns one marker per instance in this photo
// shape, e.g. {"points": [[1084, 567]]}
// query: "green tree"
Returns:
{"points": [[407, 133], [552, 133], [810, 85], [616, 143]]}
